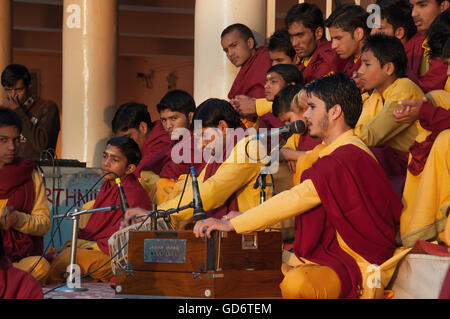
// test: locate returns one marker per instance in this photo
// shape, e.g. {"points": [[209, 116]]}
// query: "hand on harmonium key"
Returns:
{"points": [[204, 227]]}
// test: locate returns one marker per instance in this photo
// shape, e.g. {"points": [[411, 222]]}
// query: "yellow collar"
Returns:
{"points": [[425, 47], [306, 61], [342, 139]]}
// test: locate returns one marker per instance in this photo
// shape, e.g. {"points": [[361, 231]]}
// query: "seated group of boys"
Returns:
{"points": [[368, 178]]}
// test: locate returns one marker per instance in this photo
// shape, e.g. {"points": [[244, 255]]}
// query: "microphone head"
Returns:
{"points": [[298, 127], [192, 172]]}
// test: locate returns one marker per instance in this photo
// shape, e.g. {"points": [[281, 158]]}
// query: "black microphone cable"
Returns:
{"points": [[125, 245], [107, 262]]}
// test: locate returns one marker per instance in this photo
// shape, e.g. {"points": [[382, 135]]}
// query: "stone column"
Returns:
{"points": [[213, 72], [90, 50], [5, 38]]}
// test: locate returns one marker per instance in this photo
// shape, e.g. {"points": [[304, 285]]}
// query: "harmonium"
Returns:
{"points": [[177, 264]]}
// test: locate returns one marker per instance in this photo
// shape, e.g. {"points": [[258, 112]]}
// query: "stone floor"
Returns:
{"points": [[95, 290]]}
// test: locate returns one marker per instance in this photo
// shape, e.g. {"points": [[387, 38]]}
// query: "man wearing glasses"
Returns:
{"points": [[40, 118]]}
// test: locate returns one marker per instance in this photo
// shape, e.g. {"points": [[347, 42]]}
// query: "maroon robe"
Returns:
{"points": [[172, 170], [269, 121], [156, 144], [414, 52], [323, 61], [434, 119], [231, 203], [445, 289], [307, 143], [394, 164], [436, 76], [102, 225], [16, 283], [16, 185], [349, 66], [359, 204], [251, 78]]}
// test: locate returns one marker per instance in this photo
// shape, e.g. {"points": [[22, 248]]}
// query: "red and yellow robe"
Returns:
{"points": [[251, 78], [323, 61]]}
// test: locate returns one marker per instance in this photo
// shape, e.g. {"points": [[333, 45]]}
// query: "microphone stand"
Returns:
{"points": [[156, 214], [75, 217], [261, 182], [196, 204]]}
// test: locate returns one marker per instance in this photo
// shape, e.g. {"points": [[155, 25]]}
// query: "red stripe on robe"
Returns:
{"points": [[251, 78], [173, 170], [16, 283], [157, 144], [323, 61], [434, 119], [102, 225], [231, 204], [358, 203], [16, 185]]}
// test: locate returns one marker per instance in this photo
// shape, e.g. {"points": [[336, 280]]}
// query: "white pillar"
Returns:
{"points": [[270, 17], [328, 11], [5, 38], [89, 78], [213, 72]]}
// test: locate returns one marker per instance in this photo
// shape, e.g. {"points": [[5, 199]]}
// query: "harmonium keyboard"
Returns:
{"points": [[177, 264]]}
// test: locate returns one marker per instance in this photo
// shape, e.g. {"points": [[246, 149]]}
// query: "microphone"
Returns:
{"points": [[123, 200], [199, 212], [295, 127]]}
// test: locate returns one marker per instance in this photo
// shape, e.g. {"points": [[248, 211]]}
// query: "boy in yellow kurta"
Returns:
{"points": [[382, 71], [225, 185], [427, 189], [25, 217], [319, 231]]}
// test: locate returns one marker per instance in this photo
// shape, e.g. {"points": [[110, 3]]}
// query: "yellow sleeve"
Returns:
{"points": [[228, 179], [233, 175], [84, 219], [148, 181], [292, 142], [287, 204], [383, 127], [38, 222], [263, 107], [164, 187], [305, 162]]}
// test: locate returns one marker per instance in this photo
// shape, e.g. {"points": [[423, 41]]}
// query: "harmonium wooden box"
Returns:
{"points": [[176, 264]]}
